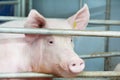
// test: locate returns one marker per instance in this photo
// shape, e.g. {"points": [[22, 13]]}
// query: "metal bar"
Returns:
{"points": [[99, 74], [8, 2], [101, 55], [104, 22], [17, 8], [64, 32], [81, 3], [107, 28], [85, 74], [30, 4], [96, 22], [24, 75], [23, 9], [3, 18]]}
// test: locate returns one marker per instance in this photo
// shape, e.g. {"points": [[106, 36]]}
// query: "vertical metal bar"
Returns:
{"points": [[30, 4], [107, 17], [17, 9], [81, 3], [23, 7]]}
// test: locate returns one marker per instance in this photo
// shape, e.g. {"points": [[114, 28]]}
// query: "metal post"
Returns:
{"points": [[107, 17], [81, 3], [23, 8], [17, 10], [30, 4]]}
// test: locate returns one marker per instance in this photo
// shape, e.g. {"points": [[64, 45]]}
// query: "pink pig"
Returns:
{"points": [[44, 53], [117, 68]]}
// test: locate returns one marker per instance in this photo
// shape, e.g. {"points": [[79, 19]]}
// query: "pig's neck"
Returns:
{"points": [[36, 56], [35, 53], [36, 59]]}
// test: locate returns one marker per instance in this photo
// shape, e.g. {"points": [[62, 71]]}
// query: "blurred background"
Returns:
{"points": [[99, 10]]}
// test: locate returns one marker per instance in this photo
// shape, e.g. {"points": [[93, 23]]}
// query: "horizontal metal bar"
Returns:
{"points": [[85, 74], [97, 22], [60, 32], [101, 55], [4, 18], [99, 74], [8, 2], [105, 22], [24, 75]]}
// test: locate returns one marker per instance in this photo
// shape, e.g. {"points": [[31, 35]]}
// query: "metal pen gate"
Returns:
{"points": [[85, 74], [19, 6]]}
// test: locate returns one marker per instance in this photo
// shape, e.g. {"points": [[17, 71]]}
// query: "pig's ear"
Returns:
{"points": [[80, 19], [34, 20]]}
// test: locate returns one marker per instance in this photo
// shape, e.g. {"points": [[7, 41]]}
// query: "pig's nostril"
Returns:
{"points": [[75, 64], [81, 63]]}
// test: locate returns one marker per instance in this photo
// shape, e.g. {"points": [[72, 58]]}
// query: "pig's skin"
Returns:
{"points": [[43, 53], [117, 68]]}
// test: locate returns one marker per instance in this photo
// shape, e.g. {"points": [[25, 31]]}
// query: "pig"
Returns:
{"points": [[117, 68], [51, 54]]}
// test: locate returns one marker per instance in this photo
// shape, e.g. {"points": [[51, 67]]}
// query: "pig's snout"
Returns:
{"points": [[76, 66]]}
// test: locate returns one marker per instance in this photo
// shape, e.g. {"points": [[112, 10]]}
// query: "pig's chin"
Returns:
{"points": [[63, 71], [65, 74]]}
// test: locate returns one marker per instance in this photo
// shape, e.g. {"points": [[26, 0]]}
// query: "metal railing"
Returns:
{"points": [[19, 6], [100, 55], [85, 74], [115, 34], [8, 2], [94, 22]]}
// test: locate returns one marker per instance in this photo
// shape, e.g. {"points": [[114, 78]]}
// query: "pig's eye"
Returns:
{"points": [[50, 42]]}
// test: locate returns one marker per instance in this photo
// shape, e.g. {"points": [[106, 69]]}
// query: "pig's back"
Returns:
{"points": [[12, 56], [17, 23]]}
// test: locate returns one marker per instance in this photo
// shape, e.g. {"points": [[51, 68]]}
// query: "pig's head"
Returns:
{"points": [[55, 54]]}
